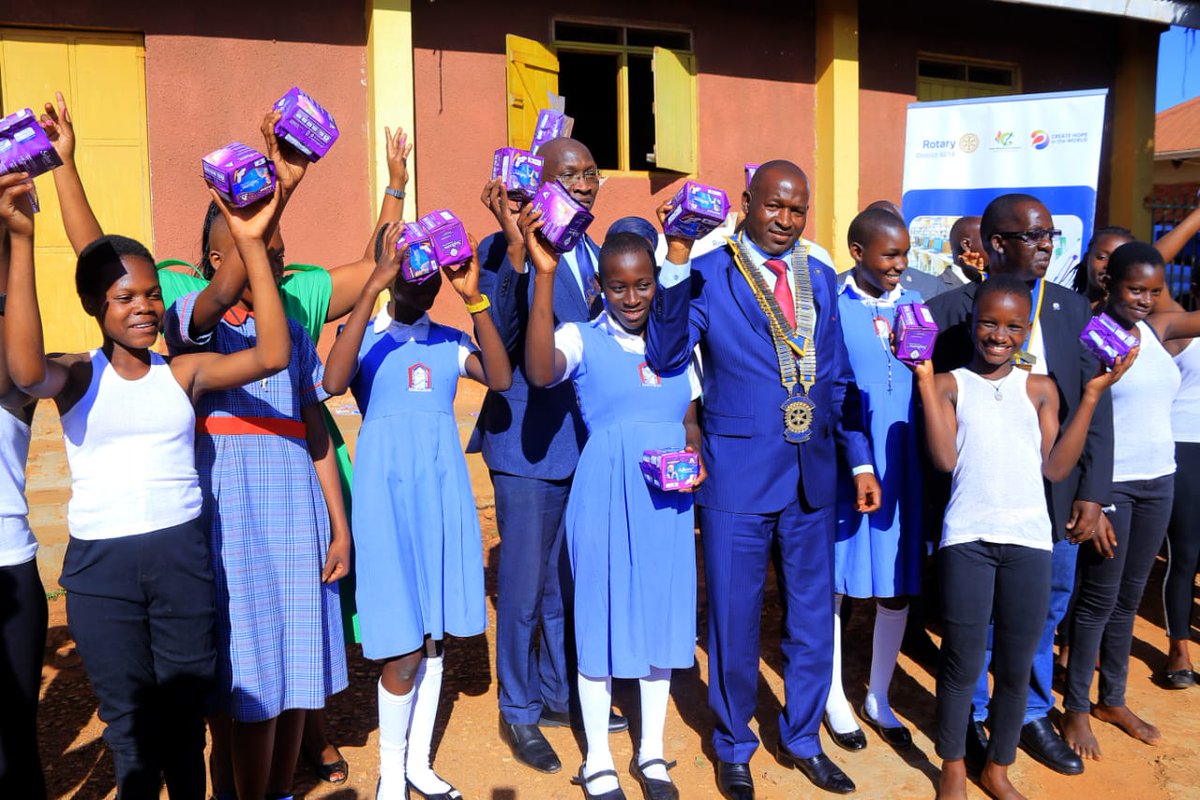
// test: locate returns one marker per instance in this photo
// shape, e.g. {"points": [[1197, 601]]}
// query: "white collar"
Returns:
{"points": [[383, 322], [618, 332], [891, 298]]}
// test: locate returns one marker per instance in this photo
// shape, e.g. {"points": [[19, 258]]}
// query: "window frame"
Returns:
{"points": [[968, 62], [622, 52]]}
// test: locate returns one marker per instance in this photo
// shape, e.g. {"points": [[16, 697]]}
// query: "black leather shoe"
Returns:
{"points": [[410, 791], [530, 747], [823, 773], [654, 788], [563, 719], [897, 736], [1040, 740], [977, 745], [853, 741], [582, 782], [734, 780]]}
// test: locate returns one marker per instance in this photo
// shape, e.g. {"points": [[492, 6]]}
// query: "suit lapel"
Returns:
{"points": [[569, 305], [744, 297]]}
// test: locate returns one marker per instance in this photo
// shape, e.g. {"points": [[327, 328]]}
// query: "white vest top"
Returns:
{"points": [[1143, 445], [17, 544], [997, 493], [1185, 413], [131, 449]]}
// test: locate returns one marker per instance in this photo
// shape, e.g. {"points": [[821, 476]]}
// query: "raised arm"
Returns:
{"points": [[544, 364], [342, 363], [1175, 324], [78, 219], [938, 396], [1060, 457], [495, 198], [490, 366], [272, 351], [679, 317], [348, 279], [24, 349], [11, 397]]}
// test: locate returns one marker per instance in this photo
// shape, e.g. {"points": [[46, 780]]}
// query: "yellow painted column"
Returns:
{"points": [[835, 186], [390, 91], [1131, 162]]}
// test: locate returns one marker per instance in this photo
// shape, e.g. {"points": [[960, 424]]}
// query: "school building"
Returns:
{"points": [[660, 92]]}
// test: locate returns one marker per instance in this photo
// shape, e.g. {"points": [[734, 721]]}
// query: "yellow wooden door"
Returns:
{"points": [[532, 78], [675, 119], [102, 76]]}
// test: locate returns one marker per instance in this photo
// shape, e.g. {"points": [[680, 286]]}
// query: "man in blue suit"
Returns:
{"points": [[531, 439], [765, 317]]}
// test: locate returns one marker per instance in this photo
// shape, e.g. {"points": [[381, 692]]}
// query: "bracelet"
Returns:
{"points": [[396, 193], [483, 305]]}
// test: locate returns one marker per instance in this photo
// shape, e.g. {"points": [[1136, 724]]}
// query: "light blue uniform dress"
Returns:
{"points": [[879, 555], [632, 546], [418, 548]]}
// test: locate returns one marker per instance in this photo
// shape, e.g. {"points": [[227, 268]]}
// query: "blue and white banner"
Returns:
{"points": [[960, 154]]}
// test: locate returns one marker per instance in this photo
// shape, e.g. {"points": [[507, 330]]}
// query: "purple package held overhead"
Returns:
{"points": [[1107, 340], [419, 264], [520, 170], [564, 220], [750, 170], [696, 211], [551, 124], [24, 146], [240, 174], [449, 237], [916, 332], [305, 125], [670, 470]]}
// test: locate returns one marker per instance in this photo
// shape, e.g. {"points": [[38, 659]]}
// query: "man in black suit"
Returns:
{"points": [[1018, 237]]}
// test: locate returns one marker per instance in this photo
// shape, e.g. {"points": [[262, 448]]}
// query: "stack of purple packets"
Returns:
{"points": [[24, 146], [551, 124], [305, 125], [449, 237], [670, 470], [564, 221], [240, 174], [696, 211], [1107, 340], [420, 264], [916, 332], [520, 171]]}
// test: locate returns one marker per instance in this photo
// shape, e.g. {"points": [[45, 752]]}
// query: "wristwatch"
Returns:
{"points": [[396, 193]]}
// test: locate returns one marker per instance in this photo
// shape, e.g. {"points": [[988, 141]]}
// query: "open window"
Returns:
{"points": [[631, 91]]}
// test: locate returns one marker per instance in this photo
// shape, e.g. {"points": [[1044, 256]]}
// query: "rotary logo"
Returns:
{"points": [[1039, 139], [968, 143]]}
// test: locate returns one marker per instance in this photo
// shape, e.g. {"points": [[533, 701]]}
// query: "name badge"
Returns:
{"points": [[649, 376], [420, 378]]}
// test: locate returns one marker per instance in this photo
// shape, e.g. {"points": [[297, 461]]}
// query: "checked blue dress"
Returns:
{"points": [[279, 628]]}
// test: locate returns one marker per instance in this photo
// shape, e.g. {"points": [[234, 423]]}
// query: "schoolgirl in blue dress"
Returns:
{"points": [[877, 555], [631, 546], [418, 548]]}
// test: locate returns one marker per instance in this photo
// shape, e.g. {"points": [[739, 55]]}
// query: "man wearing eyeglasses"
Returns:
{"points": [[1018, 237], [531, 439]]}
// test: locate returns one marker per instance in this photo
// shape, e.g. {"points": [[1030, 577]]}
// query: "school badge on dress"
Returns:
{"points": [[420, 378], [649, 376]]}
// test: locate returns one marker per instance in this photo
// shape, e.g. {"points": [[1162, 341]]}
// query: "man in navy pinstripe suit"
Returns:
{"points": [[764, 314]]}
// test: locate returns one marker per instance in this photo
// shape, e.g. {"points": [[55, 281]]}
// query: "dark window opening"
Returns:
{"points": [[646, 37], [942, 70], [588, 81], [641, 112], [583, 32]]}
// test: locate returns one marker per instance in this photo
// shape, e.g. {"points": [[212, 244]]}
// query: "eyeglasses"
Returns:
{"points": [[1035, 236], [569, 179]]}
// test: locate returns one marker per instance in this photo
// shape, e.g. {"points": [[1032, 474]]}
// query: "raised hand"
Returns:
{"points": [[465, 277], [1105, 377], [16, 209], [388, 265], [495, 198], [399, 148], [544, 257], [56, 122], [248, 222], [290, 163]]}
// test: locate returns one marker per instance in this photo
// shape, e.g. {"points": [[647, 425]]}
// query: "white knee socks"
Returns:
{"points": [[395, 711], [595, 701], [837, 707], [428, 689], [885, 649], [655, 692]]}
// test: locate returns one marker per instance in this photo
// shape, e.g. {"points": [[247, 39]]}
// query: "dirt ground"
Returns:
{"points": [[470, 753]]}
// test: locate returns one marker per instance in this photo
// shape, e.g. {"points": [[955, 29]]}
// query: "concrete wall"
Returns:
{"points": [[212, 71]]}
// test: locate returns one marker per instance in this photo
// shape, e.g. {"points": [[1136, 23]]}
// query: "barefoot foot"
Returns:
{"points": [[1077, 733], [994, 780], [952, 785], [1127, 721]]}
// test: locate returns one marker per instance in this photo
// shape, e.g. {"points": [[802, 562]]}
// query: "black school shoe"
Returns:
{"points": [[896, 736], [654, 788], [734, 780], [1179, 679], [1042, 742], [582, 781], [823, 773], [530, 747], [853, 741], [410, 790]]}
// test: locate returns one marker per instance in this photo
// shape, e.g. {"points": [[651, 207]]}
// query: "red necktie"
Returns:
{"points": [[783, 292]]}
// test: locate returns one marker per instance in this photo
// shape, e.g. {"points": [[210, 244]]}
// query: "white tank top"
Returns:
{"points": [[1185, 413], [1143, 445], [130, 446], [17, 544], [997, 493]]}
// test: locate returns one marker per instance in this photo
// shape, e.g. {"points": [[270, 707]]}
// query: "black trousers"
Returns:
{"points": [[1009, 586], [1110, 591], [23, 616], [141, 611], [1183, 542]]}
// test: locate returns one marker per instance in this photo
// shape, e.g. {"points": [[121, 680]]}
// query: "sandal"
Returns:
{"points": [[582, 780], [654, 788], [1179, 679], [333, 772]]}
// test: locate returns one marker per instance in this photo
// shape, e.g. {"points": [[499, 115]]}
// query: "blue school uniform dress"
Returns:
{"points": [[631, 546], [879, 555], [418, 547], [279, 628]]}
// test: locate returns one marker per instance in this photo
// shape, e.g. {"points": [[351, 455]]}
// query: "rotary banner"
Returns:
{"points": [[960, 154]]}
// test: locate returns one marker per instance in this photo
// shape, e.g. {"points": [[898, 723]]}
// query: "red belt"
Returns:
{"points": [[261, 426]]}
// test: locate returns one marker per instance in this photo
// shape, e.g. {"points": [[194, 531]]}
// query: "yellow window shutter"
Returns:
{"points": [[675, 129], [532, 78]]}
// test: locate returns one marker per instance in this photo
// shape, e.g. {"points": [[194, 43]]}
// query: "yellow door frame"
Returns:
{"points": [[391, 89], [835, 187]]}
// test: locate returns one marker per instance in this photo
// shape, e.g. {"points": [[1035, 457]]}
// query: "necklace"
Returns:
{"points": [[997, 385]]}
